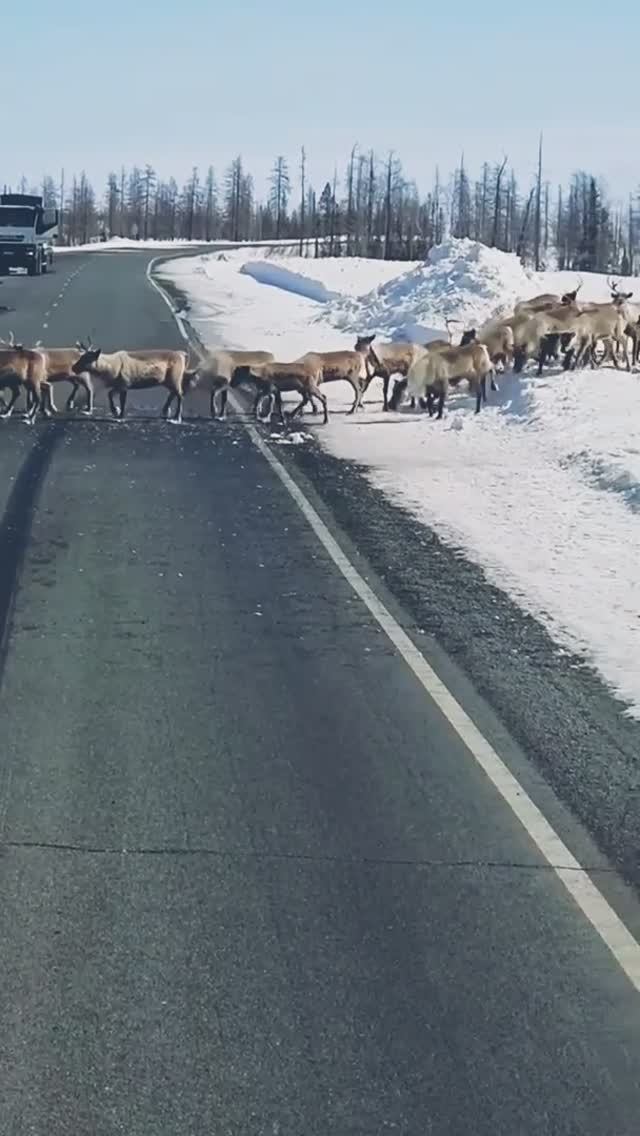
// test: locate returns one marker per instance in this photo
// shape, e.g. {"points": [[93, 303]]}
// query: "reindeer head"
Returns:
{"points": [[617, 297], [468, 337], [363, 347], [89, 356], [570, 297], [11, 342], [363, 342]]}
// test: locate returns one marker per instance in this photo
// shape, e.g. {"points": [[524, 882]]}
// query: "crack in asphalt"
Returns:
{"points": [[296, 857]]}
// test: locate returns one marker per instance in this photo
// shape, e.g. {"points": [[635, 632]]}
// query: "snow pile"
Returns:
{"points": [[462, 280]]}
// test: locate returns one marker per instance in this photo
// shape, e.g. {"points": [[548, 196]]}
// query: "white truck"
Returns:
{"points": [[27, 230]]}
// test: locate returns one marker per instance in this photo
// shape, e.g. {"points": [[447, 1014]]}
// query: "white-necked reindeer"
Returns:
{"points": [[122, 371]]}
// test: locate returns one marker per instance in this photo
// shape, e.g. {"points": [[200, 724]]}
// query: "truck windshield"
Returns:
{"points": [[21, 217]]}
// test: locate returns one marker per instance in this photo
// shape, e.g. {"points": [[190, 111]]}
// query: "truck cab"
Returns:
{"points": [[27, 230]]}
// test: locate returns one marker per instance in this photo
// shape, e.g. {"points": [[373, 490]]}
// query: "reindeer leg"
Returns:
{"points": [[317, 393], [278, 398], [481, 393], [8, 410], [167, 404], [386, 379], [122, 393], [85, 382], [48, 405], [112, 402], [358, 399], [441, 404], [224, 395], [34, 401], [71, 401], [177, 418], [300, 407]]}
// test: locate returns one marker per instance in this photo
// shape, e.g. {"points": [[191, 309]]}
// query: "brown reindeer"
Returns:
{"points": [[59, 362], [386, 360], [349, 366], [22, 368], [435, 371], [216, 370], [547, 300], [123, 371], [497, 337], [272, 380]]}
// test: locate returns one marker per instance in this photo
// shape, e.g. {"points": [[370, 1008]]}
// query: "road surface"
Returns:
{"points": [[251, 880]]}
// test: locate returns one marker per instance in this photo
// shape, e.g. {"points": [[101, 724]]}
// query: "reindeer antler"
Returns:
{"points": [[612, 286], [448, 322]]}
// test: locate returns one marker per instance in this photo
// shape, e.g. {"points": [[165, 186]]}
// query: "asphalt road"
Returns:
{"points": [[251, 882]]}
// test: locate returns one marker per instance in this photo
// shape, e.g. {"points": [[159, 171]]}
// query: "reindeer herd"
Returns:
{"points": [[539, 329]]}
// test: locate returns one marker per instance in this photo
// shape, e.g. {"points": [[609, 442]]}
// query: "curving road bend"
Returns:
{"points": [[251, 881]]}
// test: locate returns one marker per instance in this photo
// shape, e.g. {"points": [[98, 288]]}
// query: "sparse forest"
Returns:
{"points": [[370, 208]]}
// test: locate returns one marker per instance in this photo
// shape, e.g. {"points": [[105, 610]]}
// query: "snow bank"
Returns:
{"points": [[266, 272], [324, 280], [542, 489], [114, 244], [461, 279], [549, 501]]}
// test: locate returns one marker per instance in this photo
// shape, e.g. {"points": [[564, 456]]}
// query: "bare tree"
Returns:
{"points": [[112, 203], [303, 170], [496, 202], [148, 183], [211, 190], [522, 236], [280, 191], [350, 192], [537, 235]]}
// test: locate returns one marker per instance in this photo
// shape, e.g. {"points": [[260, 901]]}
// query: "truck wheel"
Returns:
{"points": [[35, 267], [45, 266]]}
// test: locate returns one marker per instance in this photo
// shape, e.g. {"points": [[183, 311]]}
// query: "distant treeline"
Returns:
{"points": [[374, 206]]}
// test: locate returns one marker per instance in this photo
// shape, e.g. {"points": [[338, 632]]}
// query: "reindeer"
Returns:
{"points": [[497, 337], [632, 330], [123, 371], [606, 323], [386, 360], [435, 371], [59, 362], [22, 367], [537, 335], [274, 379], [547, 300], [350, 366], [216, 370]]}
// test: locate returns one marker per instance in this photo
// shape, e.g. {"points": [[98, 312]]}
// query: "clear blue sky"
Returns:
{"points": [[192, 82]]}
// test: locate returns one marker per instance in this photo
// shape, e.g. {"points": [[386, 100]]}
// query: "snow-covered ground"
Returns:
{"points": [[542, 489], [113, 244]]}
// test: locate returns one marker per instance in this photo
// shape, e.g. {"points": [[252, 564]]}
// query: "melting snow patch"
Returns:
{"points": [[298, 438]]}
